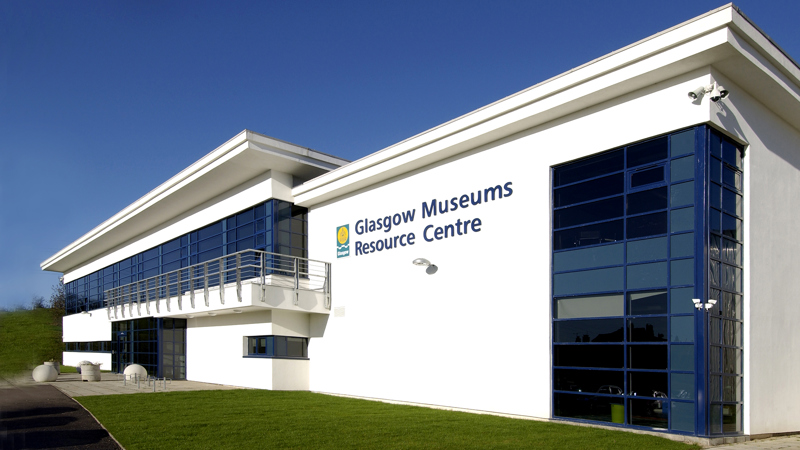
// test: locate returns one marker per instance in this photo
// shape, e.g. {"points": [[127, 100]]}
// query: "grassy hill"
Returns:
{"points": [[28, 338]]}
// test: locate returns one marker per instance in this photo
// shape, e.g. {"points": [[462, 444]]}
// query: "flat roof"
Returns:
{"points": [[241, 158], [723, 37]]}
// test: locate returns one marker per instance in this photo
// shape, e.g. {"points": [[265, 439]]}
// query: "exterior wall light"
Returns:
{"points": [[424, 262], [700, 305], [212, 314], [237, 311]]}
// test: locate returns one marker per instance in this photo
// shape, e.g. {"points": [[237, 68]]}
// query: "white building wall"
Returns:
{"points": [[477, 333], [89, 327], [216, 349], [771, 309], [73, 358]]}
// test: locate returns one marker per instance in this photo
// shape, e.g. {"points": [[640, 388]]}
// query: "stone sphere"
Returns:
{"points": [[44, 373], [133, 369], [78, 366]]}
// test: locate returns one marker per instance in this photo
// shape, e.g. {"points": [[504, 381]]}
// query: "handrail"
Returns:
{"points": [[267, 268]]}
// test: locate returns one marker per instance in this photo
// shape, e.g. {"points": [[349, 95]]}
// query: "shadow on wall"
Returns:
{"points": [[769, 128]]}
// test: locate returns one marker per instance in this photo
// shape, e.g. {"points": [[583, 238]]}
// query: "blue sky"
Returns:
{"points": [[102, 101]]}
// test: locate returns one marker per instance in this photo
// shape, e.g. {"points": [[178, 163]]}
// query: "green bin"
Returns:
{"points": [[617, 413]]}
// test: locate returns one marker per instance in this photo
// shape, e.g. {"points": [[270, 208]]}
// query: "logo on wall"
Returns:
{"points": [[343, 241]]}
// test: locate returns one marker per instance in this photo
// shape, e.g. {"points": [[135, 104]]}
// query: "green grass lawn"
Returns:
{"points": [[29, 338], [244, 419]]}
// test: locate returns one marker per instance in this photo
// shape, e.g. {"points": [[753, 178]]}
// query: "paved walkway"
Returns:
{"points": [[785, 442], [112, 383]]}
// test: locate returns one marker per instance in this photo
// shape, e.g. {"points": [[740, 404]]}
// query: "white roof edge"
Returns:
{"points": [[242, 138], [656, 43]]}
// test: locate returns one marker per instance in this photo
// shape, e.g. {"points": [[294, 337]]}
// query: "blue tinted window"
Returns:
{"points": [[682, 358], [647, 275], [598, 280], [715, 221], [647, 176], [682, 219], [682, 329], [647, 152], [587, 212], [589, 330], [245, 217], [607, 255], [731, 227], [644, 201], [647, 225], [589, 190], [682, 194], [682, 272], [682, 384], [589, 168], [682, 143], [211, 230], [682, 168], [683, 416], [647, 250], [647, 329], [731, 154], [682, 245], [647, 357], [715, 167], [641, 303], [598, 233], [731, 202]]}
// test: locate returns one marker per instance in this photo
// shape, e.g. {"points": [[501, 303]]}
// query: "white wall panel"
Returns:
{"points": [[477, 333], [772, 194]]}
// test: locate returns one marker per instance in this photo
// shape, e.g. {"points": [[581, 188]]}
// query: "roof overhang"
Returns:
{"points": [[242, 158], [722, 39]]}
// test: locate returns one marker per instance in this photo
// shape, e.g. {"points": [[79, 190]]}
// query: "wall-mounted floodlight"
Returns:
{"points": [[697, 93], [237, 311], [424, 262], [212, 314], [700, 305], [717, 92]]}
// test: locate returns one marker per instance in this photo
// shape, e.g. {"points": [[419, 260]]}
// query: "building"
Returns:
{"points": [[600, 247]]}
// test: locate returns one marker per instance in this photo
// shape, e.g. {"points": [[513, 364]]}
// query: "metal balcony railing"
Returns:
{"points": [[265, 268]]}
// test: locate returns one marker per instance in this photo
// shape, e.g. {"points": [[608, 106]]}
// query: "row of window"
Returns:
{"points": [[624, 244], [96, 346], [277, 347], [274, 226]]}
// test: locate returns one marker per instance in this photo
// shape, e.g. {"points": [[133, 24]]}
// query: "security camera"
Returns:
{"points": [[697, 93]]}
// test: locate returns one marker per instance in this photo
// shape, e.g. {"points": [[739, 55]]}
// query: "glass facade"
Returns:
{"points": [[274, 226], [159, 345], [725, 234], [629, 254]]}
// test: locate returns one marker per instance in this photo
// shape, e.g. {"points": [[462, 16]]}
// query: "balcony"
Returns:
{"points": [[244, 281]]}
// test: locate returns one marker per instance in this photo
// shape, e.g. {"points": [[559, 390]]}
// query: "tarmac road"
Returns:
{"points": [[41, 416]]}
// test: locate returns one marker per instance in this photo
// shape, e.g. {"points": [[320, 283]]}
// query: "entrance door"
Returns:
{"points": [[124, 354]]}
